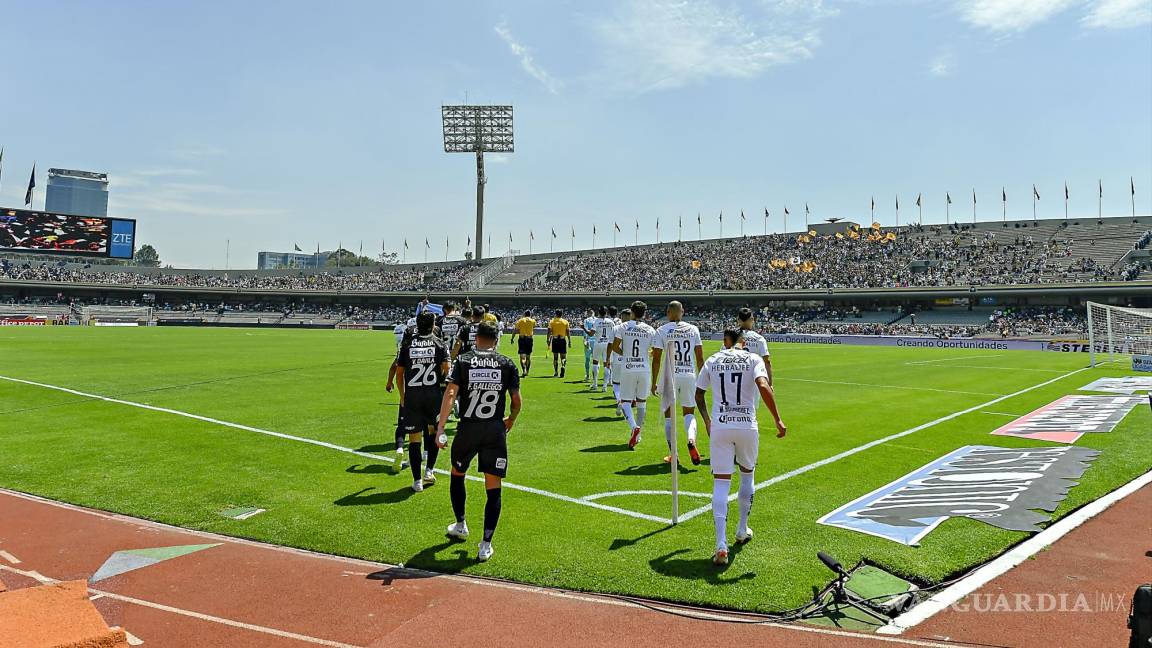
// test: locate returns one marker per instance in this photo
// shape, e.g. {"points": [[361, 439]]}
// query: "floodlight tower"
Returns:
{"points": [[476, 129]]}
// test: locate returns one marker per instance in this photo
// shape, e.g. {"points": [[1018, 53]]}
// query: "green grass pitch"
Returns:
{"points": [[329, 386]]}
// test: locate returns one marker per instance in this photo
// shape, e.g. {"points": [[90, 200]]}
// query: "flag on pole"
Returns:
{"points": [[806, 211], [918, 199], [1003, 195], [897, 203], [1132, 184], [531, 236], [973, 196], [469, 242], [948, 197], [593, 230], [616, 225], [1100, 183], [721, 217], [426, 244], [873, 203], [296, 247], [553, 232], [742, 215], [697, 218], [31, 186], [1065, 190], [1035, 193], [405, 244], [786, 212]]}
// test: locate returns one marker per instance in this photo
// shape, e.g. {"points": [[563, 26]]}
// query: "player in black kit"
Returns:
{"points": [[482, 380], [451, 324], [420, 369]]}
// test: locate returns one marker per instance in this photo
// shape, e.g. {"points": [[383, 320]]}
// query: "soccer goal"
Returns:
{"points": [[1117, 333], [116, 315]]}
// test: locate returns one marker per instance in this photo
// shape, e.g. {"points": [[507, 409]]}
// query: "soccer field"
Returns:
{"points": [[203, 420]]}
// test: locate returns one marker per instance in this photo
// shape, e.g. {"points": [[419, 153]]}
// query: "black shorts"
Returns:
{"points": [[421, 409], [560, 345], [524, 344], [489, 441]]}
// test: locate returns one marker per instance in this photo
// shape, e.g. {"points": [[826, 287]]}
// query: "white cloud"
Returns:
{"points": [[942, 65], [146, 192], [529, 64], [1011, 15], [1118, 14], [661, 44]]}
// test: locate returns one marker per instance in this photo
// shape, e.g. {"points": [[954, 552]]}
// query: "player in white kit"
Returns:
{"points": [[634, 342], [605, 331], [734, 375], [687, 354], [614, 360], [752, 339]]}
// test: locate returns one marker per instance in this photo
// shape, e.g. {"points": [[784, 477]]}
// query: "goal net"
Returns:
{"points": [[1116, 333], [116, 315]]}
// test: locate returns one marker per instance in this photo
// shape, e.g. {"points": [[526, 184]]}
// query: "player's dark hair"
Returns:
{"points": [[449, 307], [559, 312], [425, 322], [638, 309], [744, 314], [467, 312], [528, 313], [486, 331], [627, 312], [601, 311], [612, 311], [478, 312], [675, 305], [733, 336]]}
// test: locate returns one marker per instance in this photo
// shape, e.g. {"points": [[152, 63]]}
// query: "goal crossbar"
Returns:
{"points": [[1116, 332]]}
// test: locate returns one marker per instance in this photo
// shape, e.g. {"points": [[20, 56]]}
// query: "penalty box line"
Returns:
{"points": [[332, 446], [871, 444]]}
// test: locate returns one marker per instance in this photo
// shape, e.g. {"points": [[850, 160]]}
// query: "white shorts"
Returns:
{"points": [[730, 446], [635, 385], [600, 352], [685, 386]]}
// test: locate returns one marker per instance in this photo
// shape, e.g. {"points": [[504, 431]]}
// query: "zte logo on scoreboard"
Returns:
{"points": [[123, 239]]}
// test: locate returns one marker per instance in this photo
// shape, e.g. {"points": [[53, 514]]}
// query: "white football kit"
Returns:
{"points": [[605, 331], [755, 343], [731, 376], [634, 371], [684, 339]]}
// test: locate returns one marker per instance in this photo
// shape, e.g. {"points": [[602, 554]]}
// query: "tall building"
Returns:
{"points": [[83, 193], [276, 260]]}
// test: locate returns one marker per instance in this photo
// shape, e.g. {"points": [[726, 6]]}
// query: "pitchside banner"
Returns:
{"points": [[1142, 363], [1003, 487], [1067, 419], [910, 342], [1124, 385]]}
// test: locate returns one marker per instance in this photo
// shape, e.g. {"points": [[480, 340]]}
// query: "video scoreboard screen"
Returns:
{"points": [[41, 232]]}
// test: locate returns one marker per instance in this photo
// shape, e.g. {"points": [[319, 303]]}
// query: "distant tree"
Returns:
{"points": [[147, 256], [346, 259], [388, 258]]}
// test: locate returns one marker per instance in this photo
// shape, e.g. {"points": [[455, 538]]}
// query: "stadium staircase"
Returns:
{"points": [[514, 276]]}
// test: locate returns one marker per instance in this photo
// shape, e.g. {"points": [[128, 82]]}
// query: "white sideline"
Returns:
{"points": [[904, 387], [953, 359], [596, 496], [847, 453], [1010, 559], [333, 446]]}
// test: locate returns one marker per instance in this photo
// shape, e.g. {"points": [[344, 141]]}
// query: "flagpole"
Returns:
{"points": [[973, 206], [1100, 200], [699, 228], [948, 210], [1132, 186], [227, 254]]}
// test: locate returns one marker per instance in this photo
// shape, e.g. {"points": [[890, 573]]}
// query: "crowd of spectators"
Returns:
{"points": [[384, 279], [933, 258]]}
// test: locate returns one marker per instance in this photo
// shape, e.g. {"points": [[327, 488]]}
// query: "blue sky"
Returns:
{"points": [[274, 124]]}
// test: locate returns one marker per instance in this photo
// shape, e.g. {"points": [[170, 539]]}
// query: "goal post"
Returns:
{"points": [[116, 315], [1117, 333]]}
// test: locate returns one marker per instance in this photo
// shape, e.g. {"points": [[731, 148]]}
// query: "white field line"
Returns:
{"points": [[596, 496], [44, 580], [1006, 368], [871, 444], [858, 384], [339, 448], [9, 557], [1001, 414], [952, 359], [1011, 558]]}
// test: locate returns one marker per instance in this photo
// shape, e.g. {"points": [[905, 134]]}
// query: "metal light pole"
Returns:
{"points": [[476, 129]]}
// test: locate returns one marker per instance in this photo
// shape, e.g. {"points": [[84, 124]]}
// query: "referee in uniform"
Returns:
{"points": [[524, 328], [559, 339]]}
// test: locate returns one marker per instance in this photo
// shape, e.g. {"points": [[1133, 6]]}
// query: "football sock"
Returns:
{"points": [[459, 495], [720, 488], [747, 490], [627, 407], [690, 427], [433, 449], [668, 432], [399, 438], [491, 513], [641, 413], [414, 457], [616, 391]]}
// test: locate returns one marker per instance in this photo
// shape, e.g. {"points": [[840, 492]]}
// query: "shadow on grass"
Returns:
{"points": [[700, 568], [620, 543], [370, 469], [602, 419], [378, 447], [363, 498], [428, 559], [653, 469], [608, 447]]}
